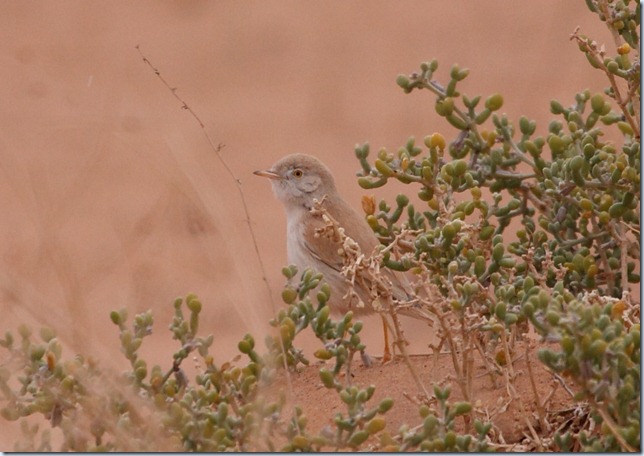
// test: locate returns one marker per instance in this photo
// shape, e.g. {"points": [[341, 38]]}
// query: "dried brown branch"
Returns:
{"points": [[545, 426], [363, 269]]}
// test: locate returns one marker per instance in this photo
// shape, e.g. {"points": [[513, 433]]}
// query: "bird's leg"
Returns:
{"points": [[366, 359]]}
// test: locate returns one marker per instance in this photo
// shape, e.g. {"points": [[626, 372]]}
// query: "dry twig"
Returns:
{"points": [[217, 150]]}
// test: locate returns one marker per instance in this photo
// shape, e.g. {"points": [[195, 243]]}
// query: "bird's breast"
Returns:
{"points": [[295, 241]]}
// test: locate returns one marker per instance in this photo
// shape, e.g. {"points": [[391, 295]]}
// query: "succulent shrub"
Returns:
{"points": [[241, 405], [519, 230]]}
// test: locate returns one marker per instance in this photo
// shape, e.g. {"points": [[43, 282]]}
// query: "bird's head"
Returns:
{"points": [[297, 179]]}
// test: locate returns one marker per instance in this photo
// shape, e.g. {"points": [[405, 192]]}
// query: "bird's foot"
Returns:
{"points": [[366, 359]]}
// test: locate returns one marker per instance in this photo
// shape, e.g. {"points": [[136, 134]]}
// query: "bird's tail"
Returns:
{"points": [[415, 310]]}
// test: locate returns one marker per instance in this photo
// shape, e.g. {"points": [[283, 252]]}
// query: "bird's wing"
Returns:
{"points": [[325, 249], [320, 247], [320, 250], [358, 230]]}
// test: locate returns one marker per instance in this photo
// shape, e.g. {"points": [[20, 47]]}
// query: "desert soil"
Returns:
{"points": [[510, 405]]}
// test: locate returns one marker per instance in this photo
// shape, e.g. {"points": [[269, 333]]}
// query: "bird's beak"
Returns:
{"points": [[267, 173]]}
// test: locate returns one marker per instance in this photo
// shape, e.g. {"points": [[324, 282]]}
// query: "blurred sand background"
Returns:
{"points": [[110, 195]]}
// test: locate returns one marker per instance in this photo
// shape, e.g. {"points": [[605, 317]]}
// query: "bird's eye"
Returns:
{"points": [[297, 173]]}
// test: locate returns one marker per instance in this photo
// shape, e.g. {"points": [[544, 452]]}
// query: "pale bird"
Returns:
{"points": [[297, 181]]}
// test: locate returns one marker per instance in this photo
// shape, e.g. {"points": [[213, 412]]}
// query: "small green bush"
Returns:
{"points": [[572, 198]]}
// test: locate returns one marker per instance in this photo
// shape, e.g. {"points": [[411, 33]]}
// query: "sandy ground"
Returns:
{"points": [[111, 196]]}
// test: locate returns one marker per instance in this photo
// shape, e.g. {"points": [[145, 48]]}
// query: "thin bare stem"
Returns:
{"points": [[591, 47], [563, 383], [519, 153], [488, 368], [217, 150], [508, 357], [610, 276], [540, 411], [571, 242], [509, 174], [602, 5], [467, 361], [601, 409], [460, 379], [401, 342], [623, 257]]}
